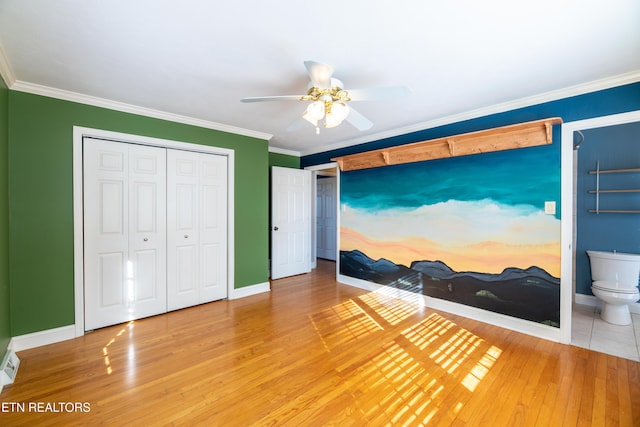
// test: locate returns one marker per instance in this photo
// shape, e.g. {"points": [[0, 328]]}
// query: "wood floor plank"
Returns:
{"points": [[313, 352]]}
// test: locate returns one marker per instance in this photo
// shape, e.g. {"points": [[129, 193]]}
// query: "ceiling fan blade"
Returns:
{"points": [[358, 121], [379, 93], [320, 74], [271, 98]]}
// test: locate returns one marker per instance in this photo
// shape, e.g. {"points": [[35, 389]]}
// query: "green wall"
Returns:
{"points": [[5, 323], [284, 160], [41, 203]]}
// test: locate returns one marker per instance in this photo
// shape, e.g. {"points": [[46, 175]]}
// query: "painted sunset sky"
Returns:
{"points": [[480, 213]]}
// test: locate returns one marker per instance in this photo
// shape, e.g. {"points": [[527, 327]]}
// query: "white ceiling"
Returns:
{"points": [[198, 58]]}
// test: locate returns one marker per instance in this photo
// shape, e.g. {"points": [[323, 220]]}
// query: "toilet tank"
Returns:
{"points": [[615, 267]]}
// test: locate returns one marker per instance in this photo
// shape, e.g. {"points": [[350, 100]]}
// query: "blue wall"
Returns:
{"points": [[615, 147]]}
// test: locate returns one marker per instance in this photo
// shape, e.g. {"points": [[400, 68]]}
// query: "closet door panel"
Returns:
{"points": [[197, 227], [111, 275], [147, 230], [213, 230], [106, 229], [182, 225], [124, 204], [145, 277], [186, 257]]}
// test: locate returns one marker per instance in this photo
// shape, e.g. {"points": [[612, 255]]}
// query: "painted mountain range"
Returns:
{"points": [[530, 294]]}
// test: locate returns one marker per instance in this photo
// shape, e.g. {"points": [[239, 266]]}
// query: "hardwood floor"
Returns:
{"points": [[316, 353]]}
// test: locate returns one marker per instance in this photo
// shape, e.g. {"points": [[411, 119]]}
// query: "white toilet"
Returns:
{"points": [[614, 278]]}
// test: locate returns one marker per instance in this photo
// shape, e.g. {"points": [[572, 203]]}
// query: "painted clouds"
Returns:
{"points": [[482, 236]]}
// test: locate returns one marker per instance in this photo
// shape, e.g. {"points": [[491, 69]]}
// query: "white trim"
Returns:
{"points": [[566, 236], [314, 218], [330, 165], [567, 184], [581, 89], [40, 338], [78, 240], [6, 72], [80, 98], [512, 323], [247, 291], [284, 151], [313, 210], [615, 119]]}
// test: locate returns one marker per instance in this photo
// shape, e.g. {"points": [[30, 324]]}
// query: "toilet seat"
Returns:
{"points": [[608, 286]]}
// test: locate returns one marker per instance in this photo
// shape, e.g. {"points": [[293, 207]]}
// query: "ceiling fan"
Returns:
{"points": [[328, 99]]}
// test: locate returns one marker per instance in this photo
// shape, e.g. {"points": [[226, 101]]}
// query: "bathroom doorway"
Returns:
{"points": [[580, 148]]}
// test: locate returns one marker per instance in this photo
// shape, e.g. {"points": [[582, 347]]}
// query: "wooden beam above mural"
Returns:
{"points": [[529, 134]]}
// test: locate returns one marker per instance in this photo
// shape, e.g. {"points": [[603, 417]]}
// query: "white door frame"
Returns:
{"points": [[78, 238], [567, 190], [323, 201], [314, 220]]}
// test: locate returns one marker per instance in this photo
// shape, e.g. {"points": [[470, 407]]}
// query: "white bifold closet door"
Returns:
{"points": [[125, 232], [197, 228], [155, 230]]}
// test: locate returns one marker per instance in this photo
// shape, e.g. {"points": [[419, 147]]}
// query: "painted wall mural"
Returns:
{"points": [[471, 230]]}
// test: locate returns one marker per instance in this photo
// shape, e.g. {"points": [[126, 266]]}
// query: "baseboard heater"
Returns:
{"points": [[9, 368]]}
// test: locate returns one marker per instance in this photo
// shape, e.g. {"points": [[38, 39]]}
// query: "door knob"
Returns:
{"points": [[275, 228], [145, 239], [186, 236]]}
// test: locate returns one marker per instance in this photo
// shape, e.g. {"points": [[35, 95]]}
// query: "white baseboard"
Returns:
{"points": [[37, 339], [513, 323], [247, 291], [592, 301]]}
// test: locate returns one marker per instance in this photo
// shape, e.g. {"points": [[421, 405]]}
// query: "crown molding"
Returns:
{"points": [[581, 89], [37, 89], [6, 72], [284, 151]]}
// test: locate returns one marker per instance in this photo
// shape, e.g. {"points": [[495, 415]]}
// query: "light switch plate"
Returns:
{"points": [[550, 208]]}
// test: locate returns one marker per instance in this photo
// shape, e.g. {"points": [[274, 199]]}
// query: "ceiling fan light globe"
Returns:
{"points": [[315, 110], [340, 110], [332, 120]]}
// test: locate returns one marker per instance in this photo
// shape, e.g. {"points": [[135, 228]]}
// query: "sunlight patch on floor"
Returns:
{"points": [[411, 371], [343, 323], [391, 309], [481, 369], [105, 349]]}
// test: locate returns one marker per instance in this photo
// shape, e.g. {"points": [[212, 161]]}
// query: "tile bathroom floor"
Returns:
{"points": [[589, 331]]}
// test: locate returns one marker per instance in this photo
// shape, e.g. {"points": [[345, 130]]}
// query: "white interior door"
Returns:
{"points": [[290, 222], [326, 213], [124, 230], [197, 228]]}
